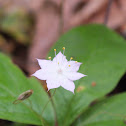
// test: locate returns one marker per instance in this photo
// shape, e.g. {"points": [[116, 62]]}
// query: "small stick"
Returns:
{"points": [[107, 11]]}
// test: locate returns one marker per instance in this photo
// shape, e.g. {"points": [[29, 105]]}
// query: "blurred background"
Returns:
{"points": [[29, 28]]}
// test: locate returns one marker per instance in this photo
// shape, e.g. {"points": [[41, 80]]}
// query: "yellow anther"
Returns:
{"points": [[55, 51], [69, 65], [75, 61], [63, 48], [49, 57], [71, 58], [58, 62]]}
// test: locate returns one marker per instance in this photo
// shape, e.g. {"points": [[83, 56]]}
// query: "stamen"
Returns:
{"points": [[75, 61], [49, 57], [63, 50], [69, 65], [71, 58], [58, 62], [55, 51]]}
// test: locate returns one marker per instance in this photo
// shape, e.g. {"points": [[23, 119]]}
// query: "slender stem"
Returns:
{"points": [[42, 120], [30, 108], [48, 101], [30, 102]]}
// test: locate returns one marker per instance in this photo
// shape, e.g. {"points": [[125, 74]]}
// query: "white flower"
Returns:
{"points": [[59, 72]]}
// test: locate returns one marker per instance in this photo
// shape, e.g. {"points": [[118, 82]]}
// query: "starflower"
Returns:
{"points": [[59, 71]]}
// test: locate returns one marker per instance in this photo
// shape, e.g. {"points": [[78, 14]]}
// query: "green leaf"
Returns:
{"points": [[102, 53], [12, 84], [108, 112]]}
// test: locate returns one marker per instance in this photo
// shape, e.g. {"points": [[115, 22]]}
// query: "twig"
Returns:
{"points": [[87, 11], [108, 11], [61, 17]]}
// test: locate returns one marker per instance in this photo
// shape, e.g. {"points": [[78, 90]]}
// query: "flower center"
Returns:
{"points": [[59, 71]]}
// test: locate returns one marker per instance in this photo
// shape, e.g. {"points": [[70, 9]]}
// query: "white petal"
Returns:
{"points": [[60, 58], [44, 63], [40, 74], [45, 75], [73, 66], [73, 75], [68, 85], [47, 65], [52, 84]]}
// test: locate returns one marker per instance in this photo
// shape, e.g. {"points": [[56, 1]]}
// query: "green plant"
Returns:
{"points": [[102, 53]]}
